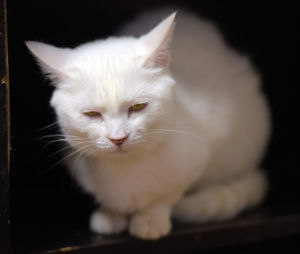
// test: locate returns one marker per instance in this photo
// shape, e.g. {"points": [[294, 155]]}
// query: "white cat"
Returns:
{"points": [[150, 142]]}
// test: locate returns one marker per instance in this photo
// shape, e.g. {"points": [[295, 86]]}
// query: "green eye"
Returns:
{"points": [[137, 107], [92, 113]]}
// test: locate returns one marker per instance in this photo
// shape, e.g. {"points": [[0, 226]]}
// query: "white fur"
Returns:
{"points": [[193, 151]]}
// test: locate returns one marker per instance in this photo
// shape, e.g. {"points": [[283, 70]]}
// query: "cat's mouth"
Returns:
{"points": [[123, 149], [120, 149], [117, 150]]}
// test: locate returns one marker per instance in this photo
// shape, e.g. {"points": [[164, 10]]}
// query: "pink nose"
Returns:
{"points": [[118, 141]]}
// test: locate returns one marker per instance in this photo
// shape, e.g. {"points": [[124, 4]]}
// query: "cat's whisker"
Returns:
{"points": [[49, 126], [64, 148], [51, 143], [173, 131], [181, 124], [57, 135], [87, 153], [76, 161], [55, 138], [65, 158], [58, 162], [63, 140], [92, 155], [143, 139]]}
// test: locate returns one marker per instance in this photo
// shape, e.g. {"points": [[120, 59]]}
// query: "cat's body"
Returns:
{"points": [[190, 148]]}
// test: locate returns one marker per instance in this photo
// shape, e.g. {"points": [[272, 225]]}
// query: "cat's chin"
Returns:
{"points": [[119, 150], [122, 151], [116, 151]]}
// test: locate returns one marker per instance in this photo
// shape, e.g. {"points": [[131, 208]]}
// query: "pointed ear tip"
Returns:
{"points": [[170, 20], [173, 16], [27, 43], [31, 44]]}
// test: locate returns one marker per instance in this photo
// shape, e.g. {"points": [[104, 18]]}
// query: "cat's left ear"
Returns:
{"points": [[158, 41], [52, 60]]}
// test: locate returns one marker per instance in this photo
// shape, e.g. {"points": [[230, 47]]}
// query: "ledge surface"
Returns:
{"points": [[254, 226]]}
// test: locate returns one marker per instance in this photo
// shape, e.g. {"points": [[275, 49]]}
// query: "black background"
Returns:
{"points": [[46, 202]]}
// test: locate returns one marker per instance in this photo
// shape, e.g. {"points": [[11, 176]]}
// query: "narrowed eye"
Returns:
{"points": [[137, 107], [92, 114]]}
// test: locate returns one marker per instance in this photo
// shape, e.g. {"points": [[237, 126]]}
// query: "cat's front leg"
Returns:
{"points": [[107, 222], [154, 221], [151, 223]]}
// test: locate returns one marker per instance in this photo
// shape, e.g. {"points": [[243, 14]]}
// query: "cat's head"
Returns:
{"points": [[112, 96]]}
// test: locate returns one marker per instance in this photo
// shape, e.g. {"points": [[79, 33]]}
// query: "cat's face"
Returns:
{"points": [[103, 115], [112, 96]]}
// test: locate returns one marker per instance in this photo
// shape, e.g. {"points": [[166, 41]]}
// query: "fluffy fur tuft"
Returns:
{"points": [[148, 144]]}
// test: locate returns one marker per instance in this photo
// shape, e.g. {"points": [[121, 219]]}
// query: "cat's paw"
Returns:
{"points": [[149, 226], [102, 222]]}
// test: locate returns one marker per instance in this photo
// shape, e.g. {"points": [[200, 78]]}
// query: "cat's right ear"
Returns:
{"points": [[157, 42], [52, 60]]}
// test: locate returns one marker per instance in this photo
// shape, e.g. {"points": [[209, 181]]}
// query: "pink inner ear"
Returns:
{"points": [[51, 59], [159, 40], [159, 58]]}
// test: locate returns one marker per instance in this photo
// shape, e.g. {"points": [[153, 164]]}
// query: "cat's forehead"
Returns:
{"points": [[109, 54], [111, 88], [109, 73], [111, 61]]}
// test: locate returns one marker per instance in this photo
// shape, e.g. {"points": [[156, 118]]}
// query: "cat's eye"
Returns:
{"points": [[137, 107], [92, 114]]}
